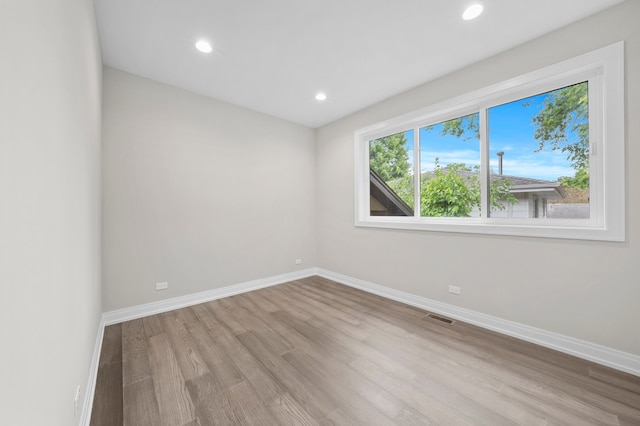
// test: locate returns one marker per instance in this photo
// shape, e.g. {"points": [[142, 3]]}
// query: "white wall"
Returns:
{"points": [[587, 290], [50, 300], [198, 193]]}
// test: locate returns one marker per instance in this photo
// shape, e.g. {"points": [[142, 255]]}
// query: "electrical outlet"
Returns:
{"points": [[454, 290], [162, 286], [298, 261], [76, 401]]}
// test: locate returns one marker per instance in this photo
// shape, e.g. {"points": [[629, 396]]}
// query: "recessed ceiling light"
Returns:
{"points": [[472, 12], [204, 46], [321, 96]]}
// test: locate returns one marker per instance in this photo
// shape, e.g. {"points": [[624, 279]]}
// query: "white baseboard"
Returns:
{"points": [[139, 311], [596, 353], [90, 390]]}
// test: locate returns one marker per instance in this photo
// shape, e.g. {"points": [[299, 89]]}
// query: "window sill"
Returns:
{"points": [[540, 228]]}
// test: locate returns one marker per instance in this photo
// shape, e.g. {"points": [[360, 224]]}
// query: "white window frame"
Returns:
{"points": [[604, 70]]}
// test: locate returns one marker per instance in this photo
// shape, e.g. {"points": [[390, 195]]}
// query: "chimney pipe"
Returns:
{"points": [[500, 154]]}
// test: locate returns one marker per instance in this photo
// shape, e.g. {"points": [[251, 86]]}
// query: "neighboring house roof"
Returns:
{"points": [[549, 189], [383, 194]]}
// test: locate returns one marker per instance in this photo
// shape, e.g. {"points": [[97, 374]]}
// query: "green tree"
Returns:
{"points": [[579, 180], [500, 193], [403, 187], [563, 124], [454, 191], [389, 157], [463, 127], [458, 127], [448, 193]]}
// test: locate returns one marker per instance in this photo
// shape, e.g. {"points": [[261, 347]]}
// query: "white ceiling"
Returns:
{"points": [[274, 55]]}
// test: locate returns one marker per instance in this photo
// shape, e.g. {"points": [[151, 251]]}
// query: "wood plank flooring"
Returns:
{"points": [[107, 406], [314, 352]]}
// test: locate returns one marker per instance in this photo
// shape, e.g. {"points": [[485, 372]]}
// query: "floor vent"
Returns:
{"points": [[441, 319]]}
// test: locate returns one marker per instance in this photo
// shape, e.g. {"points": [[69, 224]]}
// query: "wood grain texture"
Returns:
{"points": [[109, 380], [314, 352], [176, 407], [140, 404]]}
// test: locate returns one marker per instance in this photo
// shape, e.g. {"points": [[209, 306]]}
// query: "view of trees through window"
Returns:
{"points": [[538, 151]]}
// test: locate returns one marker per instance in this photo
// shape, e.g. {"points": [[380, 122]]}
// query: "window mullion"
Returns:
{"points": [[417, 172], [483, 127]]}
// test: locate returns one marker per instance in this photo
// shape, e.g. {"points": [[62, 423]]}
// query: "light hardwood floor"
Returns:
{"points": [[315, 352]]}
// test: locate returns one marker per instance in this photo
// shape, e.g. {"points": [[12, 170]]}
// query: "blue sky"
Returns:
{"points": [[511, 130]]}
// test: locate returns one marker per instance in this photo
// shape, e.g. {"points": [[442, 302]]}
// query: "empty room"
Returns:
{"points": [[342, 212]]}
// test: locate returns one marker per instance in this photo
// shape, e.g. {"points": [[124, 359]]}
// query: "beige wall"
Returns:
{"points": [[587, 290], [198, 193], [50, 301]]}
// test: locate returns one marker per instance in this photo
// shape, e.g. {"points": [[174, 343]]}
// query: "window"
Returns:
{"points": [[539, 155], [391, 175], [449, 168]]}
